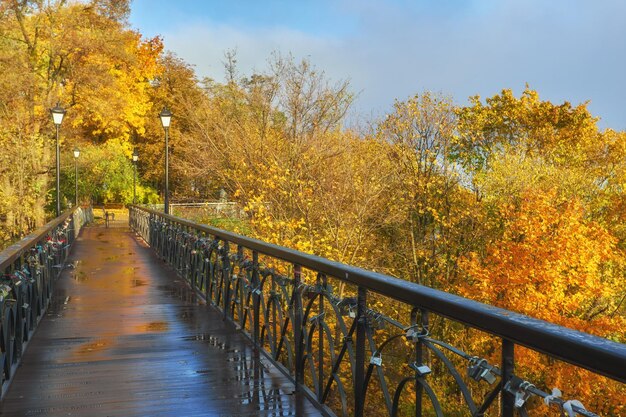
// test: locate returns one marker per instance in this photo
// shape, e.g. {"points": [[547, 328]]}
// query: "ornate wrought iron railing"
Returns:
{"points": [[343, 353], [28, 270]]}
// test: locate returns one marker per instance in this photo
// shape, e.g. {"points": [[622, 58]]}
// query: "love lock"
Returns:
{"points": [[376, 359], [351, 313], [488, 375], [414, 334], [520, 398], [5, 290], [411, 334], [474, 370], [479, 369], [520, 389], [420, 370]]}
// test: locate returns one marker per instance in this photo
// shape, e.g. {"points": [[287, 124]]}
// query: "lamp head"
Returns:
{"points": [[76, 152], [166, 117], [57, 114]]}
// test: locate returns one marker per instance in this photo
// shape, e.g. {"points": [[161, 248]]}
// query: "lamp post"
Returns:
{"points": [[57, 117], [166, 118], [135, 159], [76, 155]]}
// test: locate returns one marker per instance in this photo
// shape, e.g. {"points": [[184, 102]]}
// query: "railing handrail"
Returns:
{"points": [[14, 251], [594, 353], [205, 204]]}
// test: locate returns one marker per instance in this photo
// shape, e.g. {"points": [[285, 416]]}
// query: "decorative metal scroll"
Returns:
{"points": [[336, 349], [27, 273]]}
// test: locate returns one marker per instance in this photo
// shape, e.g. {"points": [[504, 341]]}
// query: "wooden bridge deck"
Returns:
{"points": [[125, 337]]}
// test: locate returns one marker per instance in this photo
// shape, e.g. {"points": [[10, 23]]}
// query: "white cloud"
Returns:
{"points": [[567, 50]]}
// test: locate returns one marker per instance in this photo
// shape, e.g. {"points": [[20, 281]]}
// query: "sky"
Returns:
{"points": [[567, 50]]}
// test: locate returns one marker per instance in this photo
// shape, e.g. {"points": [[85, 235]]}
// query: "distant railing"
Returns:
{"points": [[343, 353], [28, 270], [220, 208]]}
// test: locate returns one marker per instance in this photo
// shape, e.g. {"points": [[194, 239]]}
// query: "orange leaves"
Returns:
{"points": [[553, 263], [550, 262]]}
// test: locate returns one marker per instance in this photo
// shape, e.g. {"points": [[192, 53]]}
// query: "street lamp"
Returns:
{"points": [[76, 155], [135, 159], [57, 117], [166, 118]]}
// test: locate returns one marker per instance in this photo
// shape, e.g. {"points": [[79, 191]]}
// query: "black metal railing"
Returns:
{"points": [[28, 270], [332, 343]]}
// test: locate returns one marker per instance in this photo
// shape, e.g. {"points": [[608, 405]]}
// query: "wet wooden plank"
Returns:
{"points": [[124, 337]]}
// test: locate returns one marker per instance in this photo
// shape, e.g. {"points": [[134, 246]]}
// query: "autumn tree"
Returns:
{"points": [[435, 217], [547, 178], [82, 55]]}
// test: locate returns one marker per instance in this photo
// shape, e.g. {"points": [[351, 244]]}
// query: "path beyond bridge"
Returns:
{"points": [[125, 336]]}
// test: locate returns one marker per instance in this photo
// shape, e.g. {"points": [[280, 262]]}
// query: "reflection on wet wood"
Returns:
{"points": [[124, 337]]}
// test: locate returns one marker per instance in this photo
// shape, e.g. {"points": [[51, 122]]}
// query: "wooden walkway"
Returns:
{"points": [[125, 337]]}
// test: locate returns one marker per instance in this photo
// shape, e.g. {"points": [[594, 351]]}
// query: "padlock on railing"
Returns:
{"points": [[520, 389], [479, 369], [420, 370], [347, 307], [414, 334], [376, 359], [5, 291]]}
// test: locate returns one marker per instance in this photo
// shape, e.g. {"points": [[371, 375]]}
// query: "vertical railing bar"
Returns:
{"points": [[320, 337], [256, 297], [239, 305], [419, 358], [508, 368], [359, 382], [297, 324], [226, 278]]}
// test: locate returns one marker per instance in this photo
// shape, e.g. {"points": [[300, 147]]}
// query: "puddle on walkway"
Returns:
{"points": [[155, 326], [211, 340], [93, 347]]}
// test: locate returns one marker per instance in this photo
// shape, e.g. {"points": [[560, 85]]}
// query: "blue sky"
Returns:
{"points": [[572, 50]]}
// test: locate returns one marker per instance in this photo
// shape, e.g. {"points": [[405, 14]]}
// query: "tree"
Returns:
{"points": [[79, 54], [438, 217], [554, 264]]}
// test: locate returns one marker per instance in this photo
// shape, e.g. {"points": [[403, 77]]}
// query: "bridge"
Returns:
{"points": [[156, 315]]}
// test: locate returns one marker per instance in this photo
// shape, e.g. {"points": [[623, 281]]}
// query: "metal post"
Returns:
{"points": [[58, 211], [226, 274], [167, 174], [134, 182], [297, 314], [508, 367], [256, 295], [359, 373], [76, 181], [419, 358], [320, 339]]}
